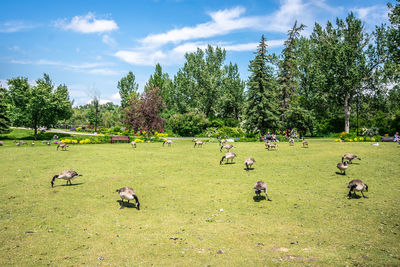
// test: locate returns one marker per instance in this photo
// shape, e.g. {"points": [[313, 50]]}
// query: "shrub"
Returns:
{"points": [[188, 124]]}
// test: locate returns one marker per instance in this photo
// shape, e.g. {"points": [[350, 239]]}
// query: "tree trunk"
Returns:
{"points": [[347, 109], [35, 135]]}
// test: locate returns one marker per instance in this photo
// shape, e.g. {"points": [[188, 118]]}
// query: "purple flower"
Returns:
{"points": [[55, 142]]}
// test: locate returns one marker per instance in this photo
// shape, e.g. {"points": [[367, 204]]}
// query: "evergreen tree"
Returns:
{"points": [[164, 83], [261, 111], [288, 70]]}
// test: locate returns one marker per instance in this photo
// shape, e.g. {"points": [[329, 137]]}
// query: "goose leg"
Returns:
{"points": [[268, 197], [363, 194]]}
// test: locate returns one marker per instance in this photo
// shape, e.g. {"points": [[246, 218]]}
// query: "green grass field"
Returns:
{"points": [[195, 212]]}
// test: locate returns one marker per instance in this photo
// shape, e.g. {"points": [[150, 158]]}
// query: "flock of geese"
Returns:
{"points": [[127, 193]]}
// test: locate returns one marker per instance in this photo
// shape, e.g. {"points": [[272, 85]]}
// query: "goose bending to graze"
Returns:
{"points": [[357, 185], [305, 143], [18, 144], [63, 146], [66, 175], [342, 166], [1, 143], [168, 142], [291, 141], [32, 144], [249, 162], [128, 194], [350, 157], [199, 143], [222, 141], [271, 145], [48, 143], [194, 140], [133, 143], [228, 156], [227, 147], [22, 142], [259, 187]]}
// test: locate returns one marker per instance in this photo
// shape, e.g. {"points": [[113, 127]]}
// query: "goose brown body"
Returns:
{"points": [[227, 147], [63, 146], [168, 142], [291, 141], [259, 187], [357, 185], [133, 143], [305, 143], [199, 143], [128, 194], [249, 162], [342, 166], [270, 145], [350, 157], [228, 156], [66, 175]]}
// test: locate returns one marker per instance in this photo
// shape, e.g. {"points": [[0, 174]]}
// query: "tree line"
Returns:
{"points": [[340, 78]]}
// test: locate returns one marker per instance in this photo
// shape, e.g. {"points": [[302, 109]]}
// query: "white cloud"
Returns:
{"points": [[223, 22], [116, 97], [87, 24], [16, 26], [91, 68], [104, 72], [373, 15], [141, 57], [109, 40]]}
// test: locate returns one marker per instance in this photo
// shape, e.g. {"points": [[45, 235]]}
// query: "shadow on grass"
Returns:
{"points": [[355, 196], [355, 163], [339, 173], [70, 184], [249, 169], [125, 204], [229, 163], [259, 198]]}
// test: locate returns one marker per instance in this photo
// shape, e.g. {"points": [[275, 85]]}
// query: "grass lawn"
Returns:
{"points": [[195, 212]]}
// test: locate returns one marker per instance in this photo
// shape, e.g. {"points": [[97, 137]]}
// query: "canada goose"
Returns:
{"points": [[271, 145], [342, 166], [133, 143], [63, 146], [291, 141], [227, 147], [66, 175], [199, 143], [22, 142], [222, 141], [305, 143], [32, 144], [249, 162], [261, 186], [194, 140], [48, 143], [228, 156], [350, 157], [18, 144], [129, 194], [1, 143], [357, 185], [168, 142]]}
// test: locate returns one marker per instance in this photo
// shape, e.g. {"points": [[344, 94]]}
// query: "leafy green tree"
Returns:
{"points": [[164, 83], [127, 88], [188, 124], [198, 84], [288, 70], [4, 120], [393, 36], [94, 114], [261, 111], [231, 99], [39, 105], [300, 119]]}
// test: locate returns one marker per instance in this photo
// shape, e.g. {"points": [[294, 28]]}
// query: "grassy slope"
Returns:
{"points": [[182, 190]]}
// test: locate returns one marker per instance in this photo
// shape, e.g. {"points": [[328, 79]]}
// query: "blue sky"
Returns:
{"points": [[90, 45]]}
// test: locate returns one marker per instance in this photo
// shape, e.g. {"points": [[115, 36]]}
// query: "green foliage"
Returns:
{"points": [[4, 120], [261, 110], [127, 88], [300, 119], [94, 114], [165, 84], [188, 124], [40, 105]]}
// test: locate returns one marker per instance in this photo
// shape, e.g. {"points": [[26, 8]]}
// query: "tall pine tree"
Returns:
{"points": [[262, 107]]}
